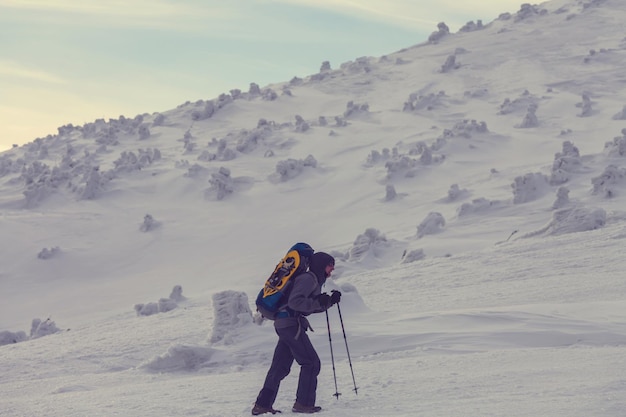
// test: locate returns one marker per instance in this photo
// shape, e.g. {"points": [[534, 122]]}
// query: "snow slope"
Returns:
{"points": [[471, 188]]}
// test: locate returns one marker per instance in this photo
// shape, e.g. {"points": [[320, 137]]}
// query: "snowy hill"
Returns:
{"points": [[472, 188]]}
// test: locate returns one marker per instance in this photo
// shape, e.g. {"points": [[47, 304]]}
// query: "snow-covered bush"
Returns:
{"points": [[149, 224], [572, 220], [442, 31], [471, 26], [7, 337], [565, 162], [433, 223], [530, 120], [159, 119], [527, 11], [585, 106], [370, 243], [222, 184], [177, 294], [39, 328], [617, 147], [529, 187], [231, 311], [427, 102], [301, 124], [450, 64], [609, 181], [355, 109], [291, 168], [562, 198], [455, 193], [143, 131], [46, 253], [412, 256], [477, 205], [390, 193], [163, 305], [207, 110]]}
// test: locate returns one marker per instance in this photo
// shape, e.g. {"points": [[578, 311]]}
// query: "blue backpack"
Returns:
{"points": [[273, 296]]}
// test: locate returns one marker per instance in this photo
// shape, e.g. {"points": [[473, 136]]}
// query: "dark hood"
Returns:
{"points": [[318, 264]]}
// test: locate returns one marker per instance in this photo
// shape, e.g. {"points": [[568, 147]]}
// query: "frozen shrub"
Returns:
{"points": [[456, 193], [144, 131], [149, 224], [427, 102], [529, 187], [617, 148], [433, 223], [412, 256], [254, 90], [40, 328], [322, 121], [390, 193], [340, 122], [206, 112], [442, 31], [291, 168], [163, 305], [301, 124], [222, 184], [146, 309], [159, 119], [562, 198], [8, 338], [572, 220], [372, 242], [565, 162], [585, 106], [450, 64], [231, 311], [325, 66], [94, 185], [177, 293], [46, 253], [608, 182], [530, 120], [477, 205], [166, 304], [471, 26], [355, 109], [527, 10]]}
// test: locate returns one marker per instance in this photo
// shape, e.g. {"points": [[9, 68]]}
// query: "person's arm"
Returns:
{"points": [[304, 295]]}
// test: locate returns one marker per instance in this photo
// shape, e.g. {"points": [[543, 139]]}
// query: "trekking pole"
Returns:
{"points": [[332, 357], [343, 329]]}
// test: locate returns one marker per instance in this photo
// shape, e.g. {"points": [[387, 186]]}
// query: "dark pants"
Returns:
{"points": [[287, 349]]}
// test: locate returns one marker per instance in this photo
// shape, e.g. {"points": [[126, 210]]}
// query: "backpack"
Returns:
{"points": [[274, 294]]}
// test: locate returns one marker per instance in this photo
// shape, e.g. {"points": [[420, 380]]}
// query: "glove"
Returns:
{"points": [[324, 299], [335, 297]]}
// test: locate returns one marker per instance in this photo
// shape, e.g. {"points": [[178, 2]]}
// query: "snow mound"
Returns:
{"points": [[180, 358]]}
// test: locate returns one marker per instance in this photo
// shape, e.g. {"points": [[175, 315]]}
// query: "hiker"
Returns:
{"points": [[291, 325]]}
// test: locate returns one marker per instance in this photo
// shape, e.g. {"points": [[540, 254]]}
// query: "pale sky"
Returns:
{"points": [[74, 61]]}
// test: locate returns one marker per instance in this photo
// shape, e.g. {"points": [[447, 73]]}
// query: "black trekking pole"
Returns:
{"points": [[332, 357], [343, 329]]}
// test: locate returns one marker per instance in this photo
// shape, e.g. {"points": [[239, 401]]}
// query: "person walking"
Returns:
{"points": [[291, 325]]}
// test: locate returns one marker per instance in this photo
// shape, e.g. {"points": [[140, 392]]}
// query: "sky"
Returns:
{"points": [[73, 61], [479, 250]]}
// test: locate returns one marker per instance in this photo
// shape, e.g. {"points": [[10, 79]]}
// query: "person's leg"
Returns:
{"points": [[306, 356], [281, 365]]}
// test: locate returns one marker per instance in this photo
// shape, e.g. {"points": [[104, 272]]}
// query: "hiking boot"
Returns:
{"points": [[259, 409], [307, 409]]}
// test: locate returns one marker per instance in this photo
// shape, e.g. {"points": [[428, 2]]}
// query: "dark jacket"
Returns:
{"points": [[302, 301]]}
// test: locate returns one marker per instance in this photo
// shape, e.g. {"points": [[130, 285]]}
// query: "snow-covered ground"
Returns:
{"points": [[471, 188]]}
